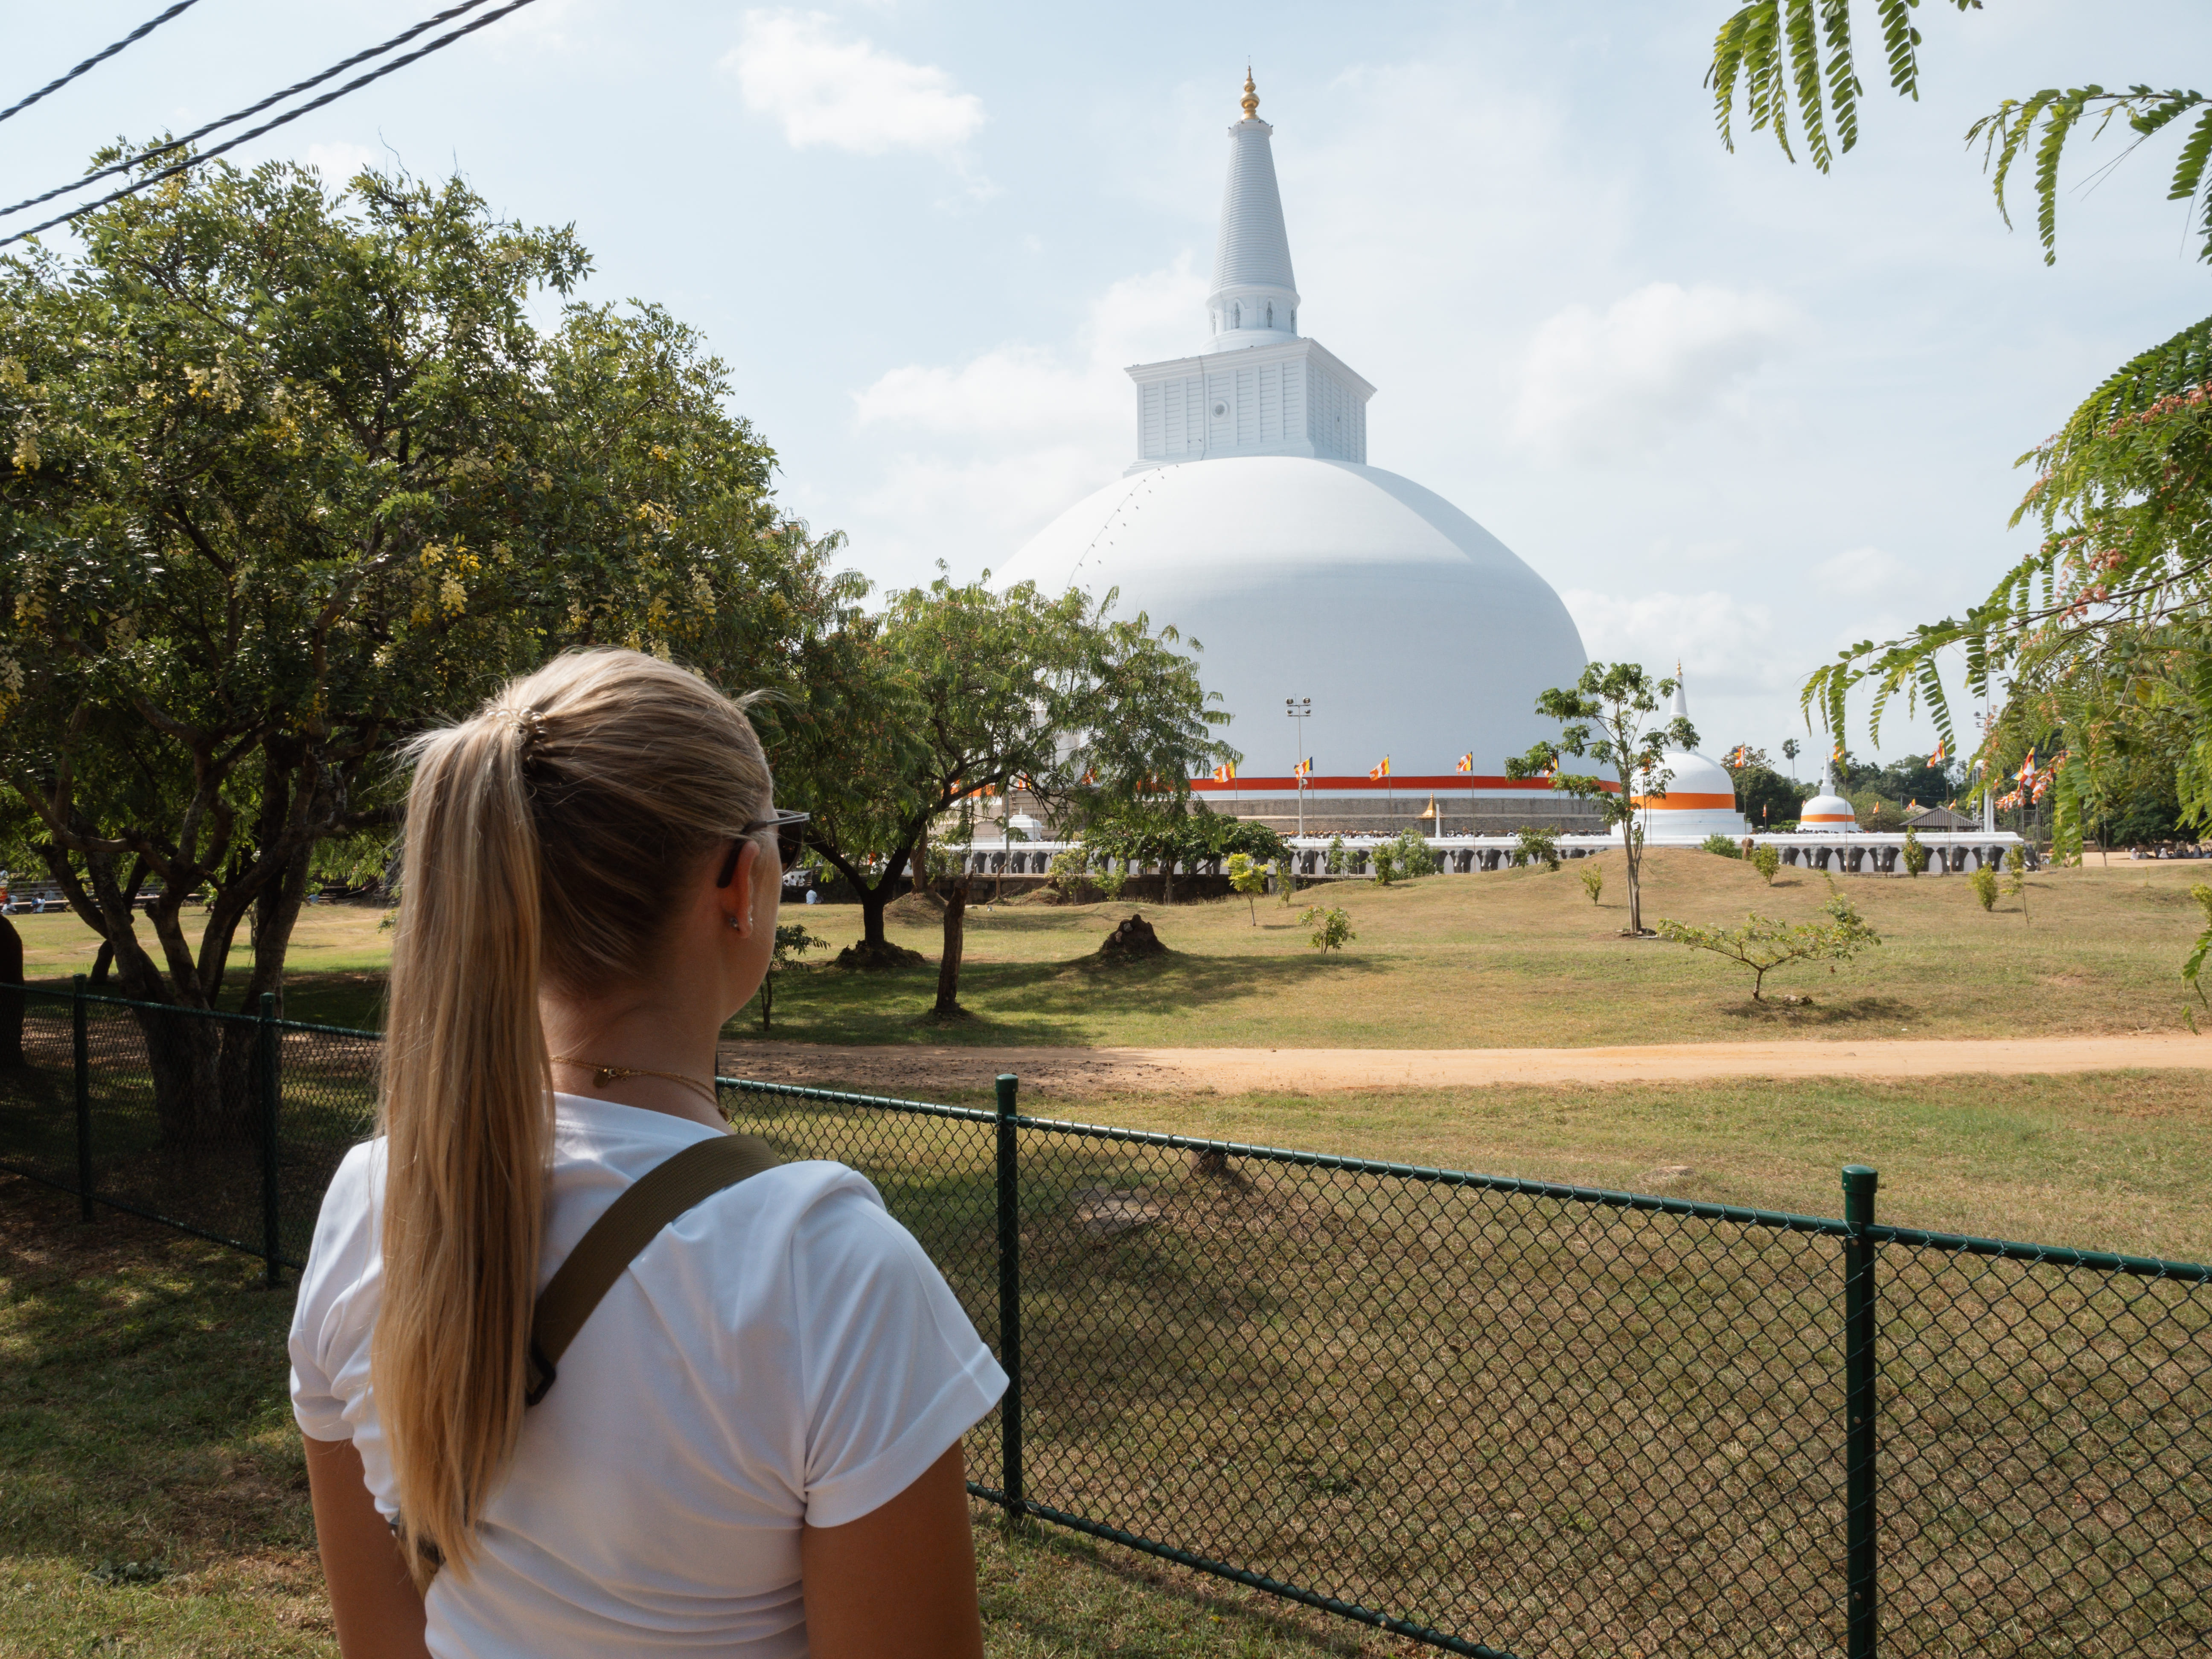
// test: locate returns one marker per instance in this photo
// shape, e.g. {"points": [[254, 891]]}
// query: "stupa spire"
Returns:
{"points": [[1253, 300]]}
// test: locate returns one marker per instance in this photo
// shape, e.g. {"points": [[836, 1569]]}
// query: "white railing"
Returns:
{"points": [[1854, 852]]}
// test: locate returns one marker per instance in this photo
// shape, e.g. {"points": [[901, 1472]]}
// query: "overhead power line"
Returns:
{"points": [[140, 33], [199, 133], [353, 85]]}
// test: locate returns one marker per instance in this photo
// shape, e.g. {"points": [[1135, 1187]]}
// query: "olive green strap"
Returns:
{"points": [[631, 1221]]}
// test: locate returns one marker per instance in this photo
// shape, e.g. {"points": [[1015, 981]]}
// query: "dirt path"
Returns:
{"points": [[1078, 1071]]}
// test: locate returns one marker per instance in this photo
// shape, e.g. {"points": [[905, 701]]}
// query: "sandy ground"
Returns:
{"points": [[1079, 1072]]}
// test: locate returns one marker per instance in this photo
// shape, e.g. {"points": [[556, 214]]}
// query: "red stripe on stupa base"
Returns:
{"points": [[1450, 781]]}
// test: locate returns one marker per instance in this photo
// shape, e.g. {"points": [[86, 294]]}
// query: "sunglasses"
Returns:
{"points": [[789, 842]]}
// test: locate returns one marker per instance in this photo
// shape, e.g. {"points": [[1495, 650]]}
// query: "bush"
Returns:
{"points": [[1724, 846], [1985, 884], [1332, 927], [1763, 945], [1248, 877], [1537, 846], [1068, 871], [1386, 863], [1593, 881], [1414, 856], [1916, 855], [1340, 859], [1767, 861]]}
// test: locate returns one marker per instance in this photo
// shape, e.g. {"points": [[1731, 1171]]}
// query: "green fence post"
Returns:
{"points": [[1010, 1298], [1860, 1405], [82, 1056], [267, 1086]]}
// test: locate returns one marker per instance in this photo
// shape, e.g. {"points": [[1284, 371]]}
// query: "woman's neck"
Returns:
{"points": [[609, 1048]]}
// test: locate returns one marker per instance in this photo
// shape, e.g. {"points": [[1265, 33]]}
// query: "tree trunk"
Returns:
{"points": [[948, 965], [11, 1001], [1167, 879]]}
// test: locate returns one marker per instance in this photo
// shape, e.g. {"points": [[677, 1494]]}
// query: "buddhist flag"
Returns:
{"points": [[1381, 770], [2027, 772], [1224, 772], [1466, 763], [1837, 753], [1942, 753], [1304, 768]]}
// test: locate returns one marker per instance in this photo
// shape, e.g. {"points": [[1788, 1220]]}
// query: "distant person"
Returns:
{"points": [[751, 1446]]}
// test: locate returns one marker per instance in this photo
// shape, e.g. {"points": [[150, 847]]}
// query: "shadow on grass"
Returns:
{"points": [[1855, 1010], [143, 1391], [1066, 1002]]}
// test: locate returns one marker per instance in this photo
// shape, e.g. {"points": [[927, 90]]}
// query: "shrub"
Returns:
{"points": [[1763, 945], [1068, 871], [1340, 859], [1111, 876], [1592, 880], [1916, 855], [1724, 846], [1248, 877], [1332, 927], [1414, 856], [1767, 861], [1985, 884], [1386, 863], [2017, 877], [1537, 846], [1286, 879]]}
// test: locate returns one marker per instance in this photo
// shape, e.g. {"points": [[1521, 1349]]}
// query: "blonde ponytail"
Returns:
{"points": [[544, 836]]}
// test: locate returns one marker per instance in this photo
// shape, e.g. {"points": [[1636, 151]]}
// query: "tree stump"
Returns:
{"points": [[1132, 940]]}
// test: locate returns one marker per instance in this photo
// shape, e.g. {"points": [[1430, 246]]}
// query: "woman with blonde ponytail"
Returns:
{"points": [[754, 1444]]}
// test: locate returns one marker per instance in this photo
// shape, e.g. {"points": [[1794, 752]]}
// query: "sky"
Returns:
{"points": [[1739, 414]]}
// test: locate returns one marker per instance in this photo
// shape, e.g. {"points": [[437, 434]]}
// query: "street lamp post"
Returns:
{"points": [[1299, 708]]}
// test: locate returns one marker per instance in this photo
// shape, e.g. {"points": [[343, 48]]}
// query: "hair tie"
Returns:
{"points": [[529, 724]]}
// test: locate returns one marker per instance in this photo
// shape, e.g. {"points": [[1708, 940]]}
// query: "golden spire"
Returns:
{"points": [[1251, 98]]}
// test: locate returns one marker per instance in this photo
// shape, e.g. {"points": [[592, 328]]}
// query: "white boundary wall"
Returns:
{"points": [[1844, 852]]}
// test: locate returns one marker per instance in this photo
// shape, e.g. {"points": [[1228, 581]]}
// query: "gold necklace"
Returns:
{"points": [[603, 1075]]}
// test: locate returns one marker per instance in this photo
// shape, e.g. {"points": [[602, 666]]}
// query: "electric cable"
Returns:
{"points": [[140, 33], [189, 163], [199, 133]]}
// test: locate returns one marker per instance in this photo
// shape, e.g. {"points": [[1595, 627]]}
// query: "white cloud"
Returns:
{"points": [[1720, 641], [843, 92], [339, 162], [1620, 382], [1860, 572]]}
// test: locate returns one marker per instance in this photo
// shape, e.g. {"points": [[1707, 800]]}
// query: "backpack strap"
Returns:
{"points": [[631, 1221]]}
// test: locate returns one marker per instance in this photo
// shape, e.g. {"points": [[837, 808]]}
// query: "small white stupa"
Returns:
{"points": [[1827, 811], [1701, 794]]}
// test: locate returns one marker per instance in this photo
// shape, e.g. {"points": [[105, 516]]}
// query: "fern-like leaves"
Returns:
{"points": [[1785, 51]]}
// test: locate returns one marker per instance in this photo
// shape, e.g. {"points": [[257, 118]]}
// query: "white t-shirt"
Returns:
{"points": [[782, 1353]]}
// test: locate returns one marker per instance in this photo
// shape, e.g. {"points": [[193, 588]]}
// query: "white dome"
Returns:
{"points": [[1417, 634], [1700, 798], [1828, 812]]}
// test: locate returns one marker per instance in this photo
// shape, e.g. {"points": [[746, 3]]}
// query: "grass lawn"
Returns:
{"points": [[153, 1498], [1517, 958]]}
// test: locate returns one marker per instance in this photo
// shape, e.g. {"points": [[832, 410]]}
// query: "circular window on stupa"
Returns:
{"points": [[1219, 410]]}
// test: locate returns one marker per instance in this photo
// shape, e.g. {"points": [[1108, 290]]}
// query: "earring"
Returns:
{"points": [[733, 920]]}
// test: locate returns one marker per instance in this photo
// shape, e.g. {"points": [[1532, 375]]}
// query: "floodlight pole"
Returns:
{"points": [[1299, 708]]}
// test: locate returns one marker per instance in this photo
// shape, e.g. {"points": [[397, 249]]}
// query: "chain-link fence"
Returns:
{"points": [[1493, 1415], [223, 1125]]}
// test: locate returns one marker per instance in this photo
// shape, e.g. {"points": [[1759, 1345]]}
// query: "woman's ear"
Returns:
{"points": [[736, 902]]}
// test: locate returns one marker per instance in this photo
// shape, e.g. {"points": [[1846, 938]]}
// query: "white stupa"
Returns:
{"points": [[1251, 522], [1827, 811], [1699, 797]]}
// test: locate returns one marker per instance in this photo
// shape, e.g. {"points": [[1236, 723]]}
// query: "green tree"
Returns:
{"points": [[1604, 717], [1332, 927], [1248, 876], [1593, 881], [2097, 641], [1767, 861], [1537, 845], [1763, 945], [293, 476], [967, 689], [1916, 855], [793, 941], [1985, 884]]}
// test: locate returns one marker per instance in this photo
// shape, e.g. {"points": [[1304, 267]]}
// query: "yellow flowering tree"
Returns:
{"points": [[289, 476]]}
